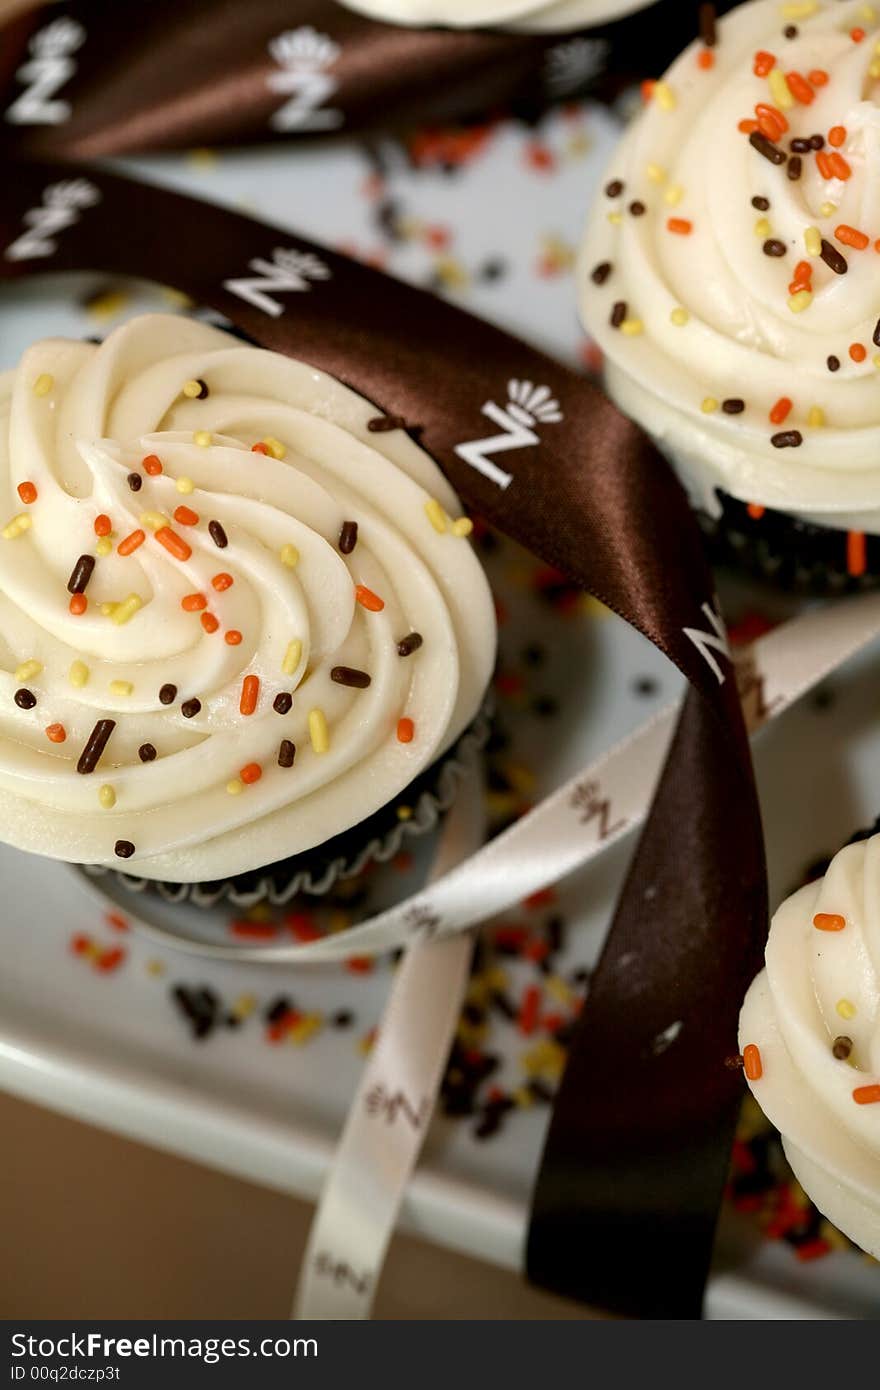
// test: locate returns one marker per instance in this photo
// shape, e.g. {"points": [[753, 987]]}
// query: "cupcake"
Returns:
{"points": [[810, 1039], [730, 277], [242, 631], [541, 15]]}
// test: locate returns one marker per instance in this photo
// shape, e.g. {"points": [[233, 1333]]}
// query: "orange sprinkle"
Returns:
{"points": [[680, 225], [837, 136], [56, 733], [647, 89], [781, 411], [233, 637], [173, 543], [851, 236], [857, 35], [764, 63], [209, 622], [250, 694], [856, 556], [259, 449], [800, 89], [752, 1064], [406, 730], [193, 603], [829, 921], [747, 127], [840, 168], [251, 773], [131, 543], [755, 511], [186, 516], [222, 581], [772, 118], [152, 465], [78, 604], [803, 271], [103, 525], [823, 160], [367, 599], [819, 77], [28, 493], [867, 1095], [706, 59], [858, 352]]}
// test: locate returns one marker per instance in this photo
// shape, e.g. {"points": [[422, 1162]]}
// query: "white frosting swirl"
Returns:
{"points": [[821, 987], [508, 14], [75, 420], [708, 312]]}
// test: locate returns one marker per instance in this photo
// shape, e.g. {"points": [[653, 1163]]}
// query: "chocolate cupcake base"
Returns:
{"points": [[799, 556]]}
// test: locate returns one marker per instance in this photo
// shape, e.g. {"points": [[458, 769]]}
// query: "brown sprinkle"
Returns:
{"points": [[283, 702], [766, 147], [218, 535], [348, 537], [772, 247], [842, 1047], [190, 708], [618, 314], [833, 259], [123, 849], [407, 645], [168, 694], [95, 745], [601, 272], [787, 439], [147, 753], [25, 699], [135, 481], [81, 574], [286, 753], [348, 675], [384, 424]]}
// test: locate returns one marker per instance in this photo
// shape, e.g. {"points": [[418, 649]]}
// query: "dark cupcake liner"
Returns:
{"points": [[315, 872], [799, 556]]}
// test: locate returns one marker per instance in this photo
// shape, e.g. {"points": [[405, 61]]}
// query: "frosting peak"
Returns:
{"points": [[209, 562]]}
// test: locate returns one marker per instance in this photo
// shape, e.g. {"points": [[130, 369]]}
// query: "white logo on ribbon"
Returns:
{"points": [[288, 272], [61, 207], [49, 68], [708, 642], [528, 407], [571, 65], [305, 58]]}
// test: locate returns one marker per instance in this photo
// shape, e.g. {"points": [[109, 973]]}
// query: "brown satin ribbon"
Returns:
{"points": [[178, 73], [631, 1181]]}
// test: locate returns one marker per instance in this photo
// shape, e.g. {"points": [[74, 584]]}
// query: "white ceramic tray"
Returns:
{"points": [[112, 1048]]}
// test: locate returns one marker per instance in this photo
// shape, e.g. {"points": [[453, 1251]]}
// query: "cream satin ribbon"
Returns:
{"points": [[389, 1118]]}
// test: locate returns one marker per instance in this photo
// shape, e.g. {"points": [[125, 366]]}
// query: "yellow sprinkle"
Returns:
{"points": [[680, 317], [43, 384], [104, 547], [709, 405], [813, 241], [235, 787], [673, 195], [779, 89], [463, 526], [78, 674], [292, 657], [202, 438], [559, 989], [244, 1006], [799, 9], [404, 813], [845, 1008], [877, 361], [762, 228], [816, 417], [800, 301], [120, 687], [108, 609], [155, 967], [106, 306], [318, 731], [289, 556], [304, 1029], [175, 299], [523, 1097], [16, 527], [275, 447], [154, 520], [192, 389], [632, 328], [874, 68], [656, 173], [27, 670], [107, 796], [665, 97], [615, 219], [185, 485], [436, 515], [828, 209], [126, 609]]}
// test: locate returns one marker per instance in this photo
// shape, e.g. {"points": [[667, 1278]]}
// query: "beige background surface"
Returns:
{"points": [[95, 1226]]}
